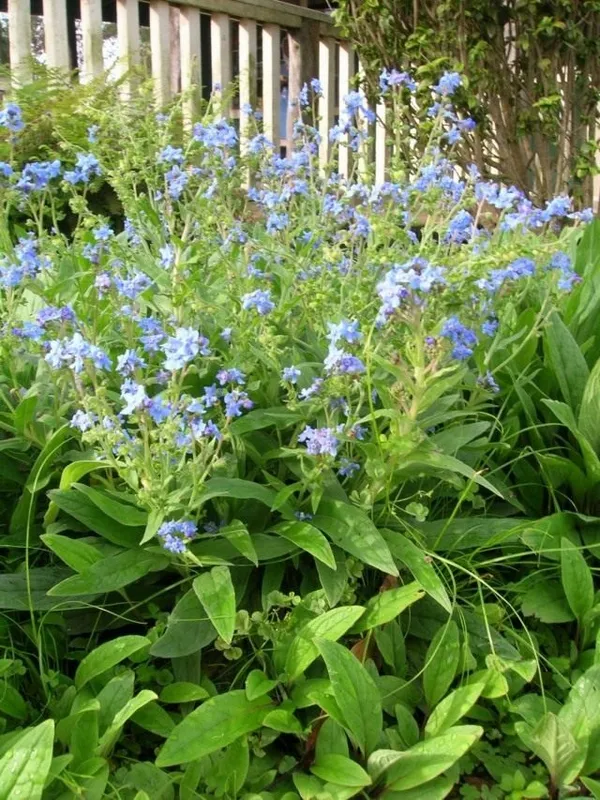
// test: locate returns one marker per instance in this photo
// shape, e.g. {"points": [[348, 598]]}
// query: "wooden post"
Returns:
{"points": [[271, 42], [295, 83], [128, 41], [191, 78], [56, 40], [362, 123], [326, 100], [220, 46], [19, 31], [382, 150], [91, 37], [248, 48], [160, 35], [174, 50], [346, 71]]}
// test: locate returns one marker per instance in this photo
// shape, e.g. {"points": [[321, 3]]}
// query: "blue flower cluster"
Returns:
{"points": [[177, 534], [463, 339]]}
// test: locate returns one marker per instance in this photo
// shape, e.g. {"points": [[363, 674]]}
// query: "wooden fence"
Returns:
{"points": [[203, 44]]}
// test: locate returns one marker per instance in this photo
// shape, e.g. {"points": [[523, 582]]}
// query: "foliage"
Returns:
{"points": [[299, 474], [532, 71]]}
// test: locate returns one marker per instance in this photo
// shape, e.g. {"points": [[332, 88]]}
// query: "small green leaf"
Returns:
{"points": [[215, 591], [282, 720], [107, 655], [215, 724], [257, 684], [124, 513], [589, 415], [307, 538], [441, 663], [76, 554], [553, 743], [25, 765], [546, 601], [111, 734], [331, 625], [355, 693], [182, 692], [111, 573], [340, 770], [413, 557], [237, 534], [567, 361], [576, 579], [386, 606], [452, 708]]}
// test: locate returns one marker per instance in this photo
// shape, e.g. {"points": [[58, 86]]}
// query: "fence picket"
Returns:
{"points": [[248, 50], [19, 28], [271, 42], [91, 39], [160, 39], [128, 41], [346, 72], [326, 99], [56, 39], [220, 45], [191, 65]]}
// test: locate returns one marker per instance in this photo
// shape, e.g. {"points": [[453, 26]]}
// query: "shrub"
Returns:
{"points": [[267, 417]]}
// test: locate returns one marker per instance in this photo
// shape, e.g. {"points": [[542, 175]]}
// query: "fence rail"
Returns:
{"points": [[201, 44]]}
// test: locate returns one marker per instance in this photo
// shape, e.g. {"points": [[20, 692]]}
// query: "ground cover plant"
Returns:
{"points": [[299, 474]]}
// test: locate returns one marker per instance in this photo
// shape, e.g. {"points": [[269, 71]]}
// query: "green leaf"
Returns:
{"points": [[81, 508], [568, 363], [576, 579], [238, 489], [331, 739], [333, 581], [592, 786], [413, 557], [265, 418], [547, 602], [589, 415], [452, 708], [124, 513], [107, 655], [554, 744], [355, 693], [19, 589], [188, 630], [307, 538], [76, 554], [440, 463], [330, 625], [340, 770], [154, 718], [428, 759], [282, 720], [441, 663], [352, 530], [25, 766], [386, 606], [182, 692], [237, 534], [111, 573], [11, 701], [258, 685], [111, 734], [217, 723], [581, 715], [215, 591]]}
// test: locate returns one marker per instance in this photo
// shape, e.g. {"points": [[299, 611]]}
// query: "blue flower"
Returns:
{"points": [[319, 441], [37, 175], [391, 78], [346, 329], [348, 468], [460, 228], [167, 256], [171, 155], [134, 395], [490, 326], [290, 374], [74, 352], [30, 330], [277, 222], [235, 401], [342, 363], [11, 117], [176, 182], [448, 84], [487, 382], [92, 134], [83, 421], [226, 334], [176, 535], [231, 375], [183, 347], [133, 285], [157, 408], [463, 338], [153, 334], [5, 169], [260, 300], [128, 362], [312, 390], [86, 167]]}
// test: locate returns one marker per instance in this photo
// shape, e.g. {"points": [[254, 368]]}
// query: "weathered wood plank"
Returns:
{"points": [[220, 46], [19, 30], [91, 39], [346, 72], [264, 11], [191, 76], [382, 149], [160, 36], [128, 41], [248, 49], [174, 50], [271, 43], [56, 39], [326, 100]]}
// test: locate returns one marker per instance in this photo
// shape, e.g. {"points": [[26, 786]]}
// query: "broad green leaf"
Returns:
{"points": [[282, 720], [406, 725], [215, 591], [331, 739], [333, 581], [581, 715], [452, 439], [439, 463], [11, 701], [307, 538], [547, 602], [155, 520], [330, 625], [428, 759], [340, 770], [111, 573], [452, 708], [215, 724], [352, 530], [237, 534], [355, 693], [386, 606], [238, 489], [182, 692], [390, 641], [111, 734], [411, 556], [593, 786], [565, 415], [154, 718], [188, 630], [568, 363], [265, 418], [107, 655], [76, 554], [124, 513], [18, 590], [81, 508], [555, 745], [589, 415], [436, 789], [576, 579], [441, 663], [42, 467], [257, 684], [25, 766], [233, 767], [114, 696]]}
